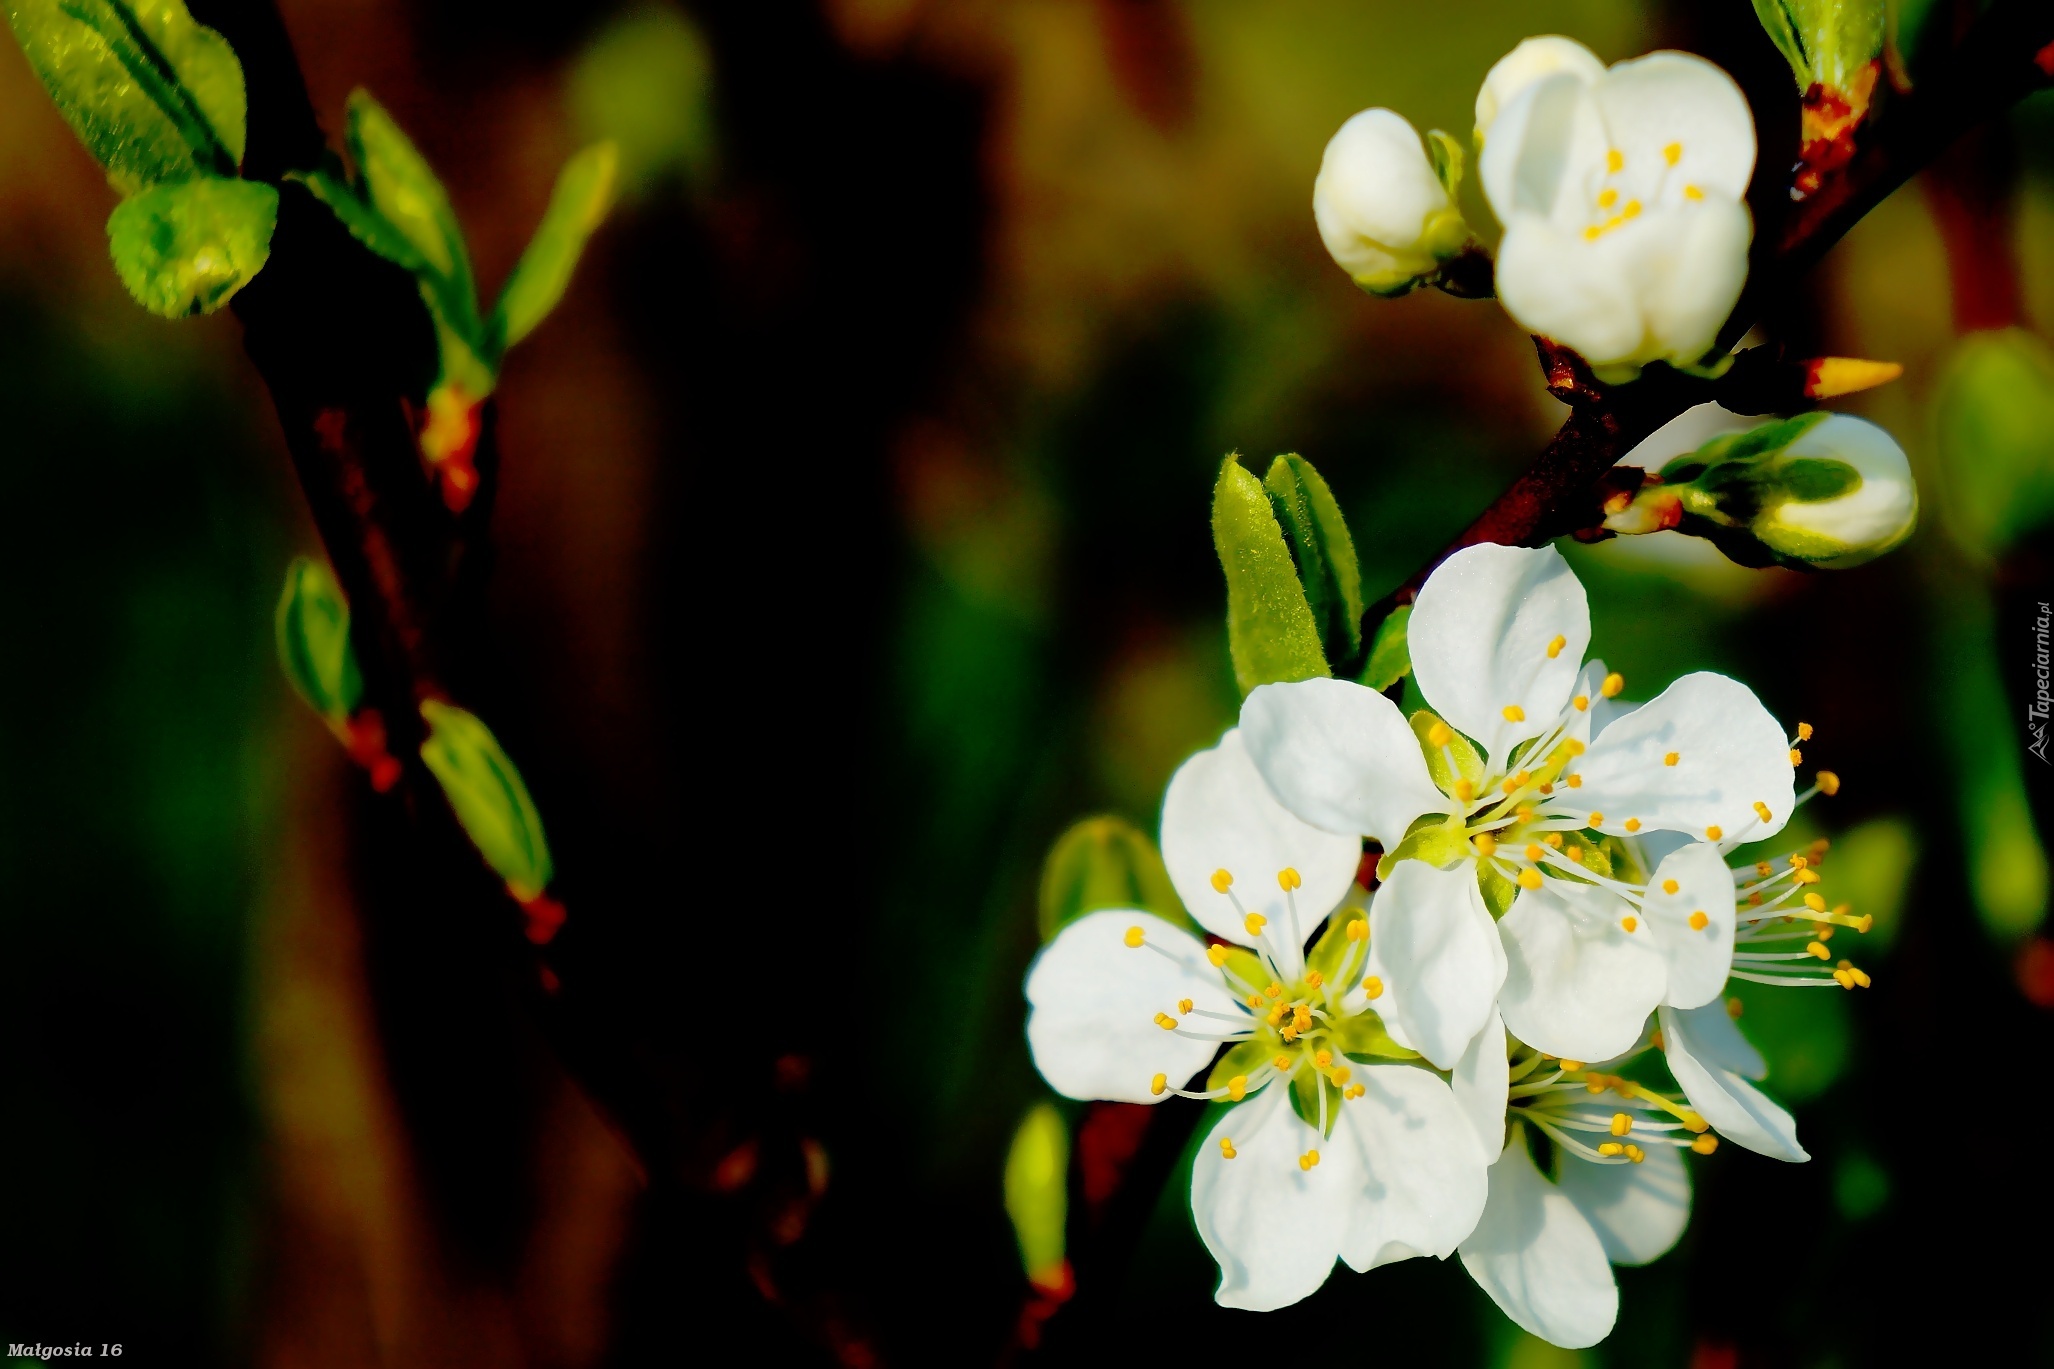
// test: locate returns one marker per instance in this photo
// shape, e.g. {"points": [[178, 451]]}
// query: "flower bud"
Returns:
{"points": [[486, 792], [312, 625], [1835, 51], [1822, 490], [1385, 207], [1037, 1193]]}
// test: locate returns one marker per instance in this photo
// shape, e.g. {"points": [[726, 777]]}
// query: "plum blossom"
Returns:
{"points": [[1383, 210]]}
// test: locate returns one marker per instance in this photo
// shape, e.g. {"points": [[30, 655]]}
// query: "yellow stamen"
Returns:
{"points": [[1514, 713], [1818, 948], [1714, 833], [1358, 929], [1372, 987], [1486, 845], [1796, 757], [1134, 936], [1221, 881], [1761, 810], [1804, 732], [1275, 990], [1217, 955], [1465, 790], [1805, 877], [1576, 781], [1615, 160], [1255, 922], [1621, 1123], [1524, 812], [1580, 702], [1705, 1144], [1288, 879], [1815, 903], [1826, 933], [1313, 979], [1227, 1151], [1288, 1031], [1597, 820], [1698, 921], [1670, 886], [1607, 197], [1282, 1062], [1691, 192], [1555, 647], [1355, 1090], [1611, 1148], [1762, 867], [1673, 153], [1593, 233], [1633, 824], [1165, 1021], [1529, 878], [1183, 1005], [1614, 682], [1554, 839], [1324, 1059], [1158, 1084], [1629, 923], [1276, 1014], [1672, 758], [1342, 1075], [1798, 862], [1734, 1007], [1576, 854], [1255, 1000], [1631, 210], [1440, 734], [1237, 1087], [1308, 1159], [1534, 851], [1692, 1121], [1635, 1154], [1828, 783]]}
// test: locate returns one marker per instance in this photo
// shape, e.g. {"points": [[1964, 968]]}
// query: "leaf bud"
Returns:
{"points": [[490, 799]]}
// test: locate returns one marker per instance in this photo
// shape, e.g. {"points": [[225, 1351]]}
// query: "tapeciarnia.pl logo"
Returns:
{"points": [[2043, 698]]}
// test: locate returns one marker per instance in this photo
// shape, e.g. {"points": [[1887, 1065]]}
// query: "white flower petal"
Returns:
{"points": [[1341, 756], [1690, 264], [1219, 815], [1672, 99], [1601, 712], [1423, 1175], [1480, 637], [1730, 755], [1092, 1002], [1874, 517], [1553, 282], [1482, 1083], [1739, 1111], [1638, 1210], [1533, 60], [1579, 985], [1274, 1228], [1439, 952], [1698, 958], [1715, 1040], [1375, 191], [1542, 142], [1685, 433], [1539, 1258]]}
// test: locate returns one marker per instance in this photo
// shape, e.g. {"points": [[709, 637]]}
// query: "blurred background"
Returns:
{"points": [[853, 543]]}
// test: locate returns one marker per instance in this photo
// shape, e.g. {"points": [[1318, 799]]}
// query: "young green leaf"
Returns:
{"points": [[1104, 862], [186, 247], [1390, 658], [313, 641], [1323, 551], [584, 192], [489, 797], [400, 185], [1270, 628], [364, 223], [154, 95]]}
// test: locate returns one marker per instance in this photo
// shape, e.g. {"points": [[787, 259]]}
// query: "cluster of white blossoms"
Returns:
{"points": [[1620, 190], [1454, 1063]]}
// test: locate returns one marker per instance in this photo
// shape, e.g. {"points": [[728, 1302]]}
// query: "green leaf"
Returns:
{"points": [[1364, 1035], [1270, 629], [1994, 417], [1390, 658], [1781, 26], [1037, 1189], [401, 186], [364, 223], [312, 624], [186, 247], [152, 94], [584, 192], [488, 796], [1104, 862], [1322, 551]]}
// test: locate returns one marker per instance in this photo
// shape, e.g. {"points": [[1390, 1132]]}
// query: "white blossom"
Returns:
{"points": [[1384, 213]]}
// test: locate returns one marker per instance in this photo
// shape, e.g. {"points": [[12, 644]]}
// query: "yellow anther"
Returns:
{"points": [[1576, 854], [1594, 1085], [1611, 1148], [1580, 702], [1288, 879], [1529, 878], [1324, 1059], [1574, 747], [1183, 1005], [1358, 929], [1597, 820], [1440, 734], [1534, 851], [1524, 812], [1670, 886], [1868, 920], [1630, 923], [1255, 922], [1576, 781], [1606, 199], [1227, 1151], [1308, 1159], [1237, 1087], [1372, 987], [1815, 903], [1631, 210], [1342, 1075], [1826, 932], [1217, 955], [1799, 863], [1313, 979], [1486, 844], [1221, 881], [1276, 1014], [1842, 977], [1593, 233], [1762, 867], [1514, 713], [1754, 900], [1614, 682], [1804, 732], [1571, 1065], [1615, 160], [1165, 1021], [1796, 756], [1818, 948], [1692, 192], [1355, 1090], [1158, 1084], [1673, 153], [1555, 647], [1698, 921], [1635, 1153], [1554, 839], [1828, 783], [1714, 832], [1705, 1144], [1860, 977], [1693, 1121], [1633, 824], [1275, 990], [1621, 1123], [1133, 937], [1282, 1062], [1761, 810], [1465, 790], [1289, 1031], [1672, 758], [1547, 787]]}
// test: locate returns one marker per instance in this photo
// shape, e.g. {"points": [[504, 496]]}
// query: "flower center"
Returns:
{"points": [[1616, 196]]}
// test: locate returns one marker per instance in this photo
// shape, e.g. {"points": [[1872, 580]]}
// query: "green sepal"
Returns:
{"points": [[1037, 1188], [1597, 855], [1498, 890], [1781, 26], [1468, 765], [584, 192], [488, 796], [1744, 447], [1390, 658], [1306, 1084], [1244, 965], [312, 628], [1105, 862], [1449, 158], [1438, 841], [397, 181], [1270, 628], [1825, 41], [1323, 552], [1363, 1037], [153, 94], [1331, 950], [1244, 1059], [186, 247]]}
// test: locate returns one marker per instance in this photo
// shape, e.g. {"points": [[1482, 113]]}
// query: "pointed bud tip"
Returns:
{"points": [[1830, 377]]}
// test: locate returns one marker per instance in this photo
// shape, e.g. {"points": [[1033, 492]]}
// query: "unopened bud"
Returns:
{"points": [[488, 796], [313, 641], [1385, 203], [1037, 1191]]}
